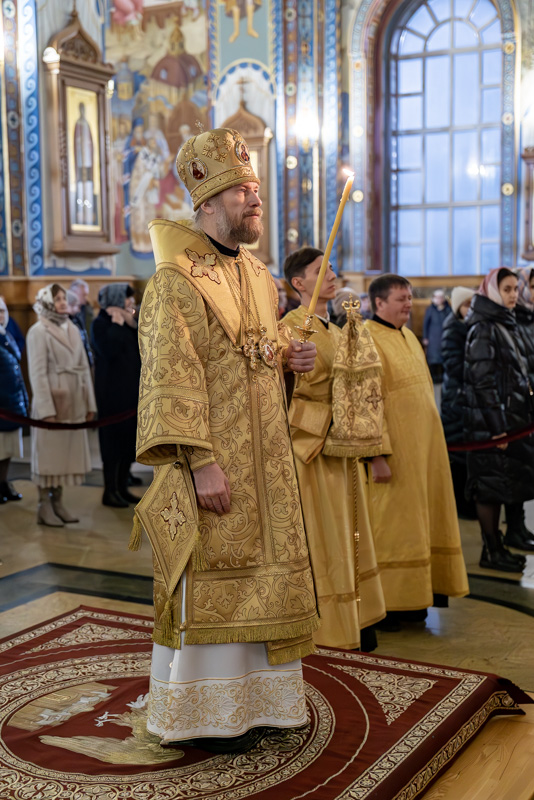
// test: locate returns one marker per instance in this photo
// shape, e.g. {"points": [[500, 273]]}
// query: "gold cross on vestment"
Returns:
{"points": [[373, 398], [173, 516]]}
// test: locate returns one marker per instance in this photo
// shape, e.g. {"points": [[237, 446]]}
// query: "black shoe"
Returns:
{"points": [[8, 491], [501, 560], [113, 499], [128, 497], [224, 744], [390, 623], [521, 540], [416, 615], [368, 640], [133, 480], [2, 499]]}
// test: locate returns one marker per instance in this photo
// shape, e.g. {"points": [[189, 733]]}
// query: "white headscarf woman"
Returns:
{"points": [[62, 392]]}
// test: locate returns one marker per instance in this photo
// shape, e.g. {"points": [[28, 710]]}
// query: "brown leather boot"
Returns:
{"points": [[59, 508], [45, 512]]}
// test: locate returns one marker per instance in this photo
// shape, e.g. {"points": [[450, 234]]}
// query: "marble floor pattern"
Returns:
{"points": [[48, 571]]}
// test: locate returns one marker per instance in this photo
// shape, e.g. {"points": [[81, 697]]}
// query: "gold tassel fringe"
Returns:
{"points": [[136, 534], [199, 562], [166, 621], [351, 450], [256, 633], [284, 652]]}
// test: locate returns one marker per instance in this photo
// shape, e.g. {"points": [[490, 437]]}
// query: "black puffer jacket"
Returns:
{"points": [[13, 395], [497, 400], [525, 327], [453, 354]]}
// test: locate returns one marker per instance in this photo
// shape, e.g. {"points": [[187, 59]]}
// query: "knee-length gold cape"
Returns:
{"points": [[248, 571], [327, 487], [413, 518]]}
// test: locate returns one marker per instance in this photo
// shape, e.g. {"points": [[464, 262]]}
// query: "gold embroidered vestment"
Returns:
{"points": [[248, 575], [348, 585]]}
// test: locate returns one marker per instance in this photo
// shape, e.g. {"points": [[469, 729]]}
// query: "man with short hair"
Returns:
{"points": [[234, 598], [331, 481], [411, 499]]}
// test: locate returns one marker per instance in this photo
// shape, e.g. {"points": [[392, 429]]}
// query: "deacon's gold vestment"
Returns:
{"points": [[248, 575], [413, 517], [327, 486]]}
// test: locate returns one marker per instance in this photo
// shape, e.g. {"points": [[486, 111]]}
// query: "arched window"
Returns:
{"points": [[443, 138]]}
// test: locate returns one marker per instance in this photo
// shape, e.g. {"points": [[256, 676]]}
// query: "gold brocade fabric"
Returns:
{"points": [[249, 578], [327, 493], [357, 404], [413, 517]]}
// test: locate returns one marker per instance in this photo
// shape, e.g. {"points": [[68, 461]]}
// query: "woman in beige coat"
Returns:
{"points": [[62, 392]]}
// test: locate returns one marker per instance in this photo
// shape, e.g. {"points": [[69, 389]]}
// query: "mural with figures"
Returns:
{"points": [[159, 50]]}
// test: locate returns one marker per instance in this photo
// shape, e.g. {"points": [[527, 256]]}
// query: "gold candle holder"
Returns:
{"points": [[306, 330]]}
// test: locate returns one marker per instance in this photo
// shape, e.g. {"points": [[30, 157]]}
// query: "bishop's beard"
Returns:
{"points": [[245, 230]]}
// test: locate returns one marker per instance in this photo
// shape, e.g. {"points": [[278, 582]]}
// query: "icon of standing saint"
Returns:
{"points": [[83, 166]]}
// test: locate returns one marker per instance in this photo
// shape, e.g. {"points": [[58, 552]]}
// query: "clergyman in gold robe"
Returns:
{"points": [[349, 590], [234, 598], [411, 498]]}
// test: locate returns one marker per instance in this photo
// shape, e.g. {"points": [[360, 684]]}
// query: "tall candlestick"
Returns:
{"points": [[326, 257]]}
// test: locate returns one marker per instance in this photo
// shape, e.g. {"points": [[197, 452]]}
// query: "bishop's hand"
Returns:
{"points": [[300, 356], [213, 489]]}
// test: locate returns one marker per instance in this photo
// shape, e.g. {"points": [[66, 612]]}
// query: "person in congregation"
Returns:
{"points": [[213, 423], [62, 390], [452, 406], [411, 498], [517, 533], [117, 369], [349, 590], [498, 400], [435, 316], [74, 316], [13, 398], [282, 297], [86, 314]]}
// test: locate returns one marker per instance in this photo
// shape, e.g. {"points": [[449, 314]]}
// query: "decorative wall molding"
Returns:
{"points": [[29, 89], [14, 175]]}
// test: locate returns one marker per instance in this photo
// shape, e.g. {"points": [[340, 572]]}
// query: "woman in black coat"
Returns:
{"points": [[13, 398], [452, 405], [117, 370], [498, 402], [517, 533]]}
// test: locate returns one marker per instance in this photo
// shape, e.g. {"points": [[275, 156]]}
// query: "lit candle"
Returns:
{"points": [[326, 257]]}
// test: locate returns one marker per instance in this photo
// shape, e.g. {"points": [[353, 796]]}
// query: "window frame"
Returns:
{"points": [[372, 22]]}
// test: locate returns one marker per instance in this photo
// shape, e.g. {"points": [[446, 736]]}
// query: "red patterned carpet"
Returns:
{"points": [[73, 708]]}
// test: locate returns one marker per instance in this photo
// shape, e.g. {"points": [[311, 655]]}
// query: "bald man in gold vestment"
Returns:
{"points": [[234, 597]]}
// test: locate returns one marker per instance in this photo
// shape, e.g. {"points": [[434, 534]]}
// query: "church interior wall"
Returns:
{"points": [[185, 64]]}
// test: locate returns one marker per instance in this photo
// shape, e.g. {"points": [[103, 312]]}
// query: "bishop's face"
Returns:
{"points": [[238, 213]]}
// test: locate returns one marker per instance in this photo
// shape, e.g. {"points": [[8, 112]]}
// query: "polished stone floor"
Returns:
{"points": [[47, 571]]}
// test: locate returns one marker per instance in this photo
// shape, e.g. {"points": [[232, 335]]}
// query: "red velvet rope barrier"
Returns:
{"points": [[459, 447], [67, 426]]}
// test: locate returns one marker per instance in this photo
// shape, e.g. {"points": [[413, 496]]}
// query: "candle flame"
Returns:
{"points": [[349, 173]]}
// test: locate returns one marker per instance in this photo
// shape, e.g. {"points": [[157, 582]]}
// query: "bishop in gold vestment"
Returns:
{"points": [[234, 597], [411, 499], [349, 590]]}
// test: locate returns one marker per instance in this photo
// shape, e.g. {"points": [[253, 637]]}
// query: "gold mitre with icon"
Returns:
{"points": [[212, 162]]}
